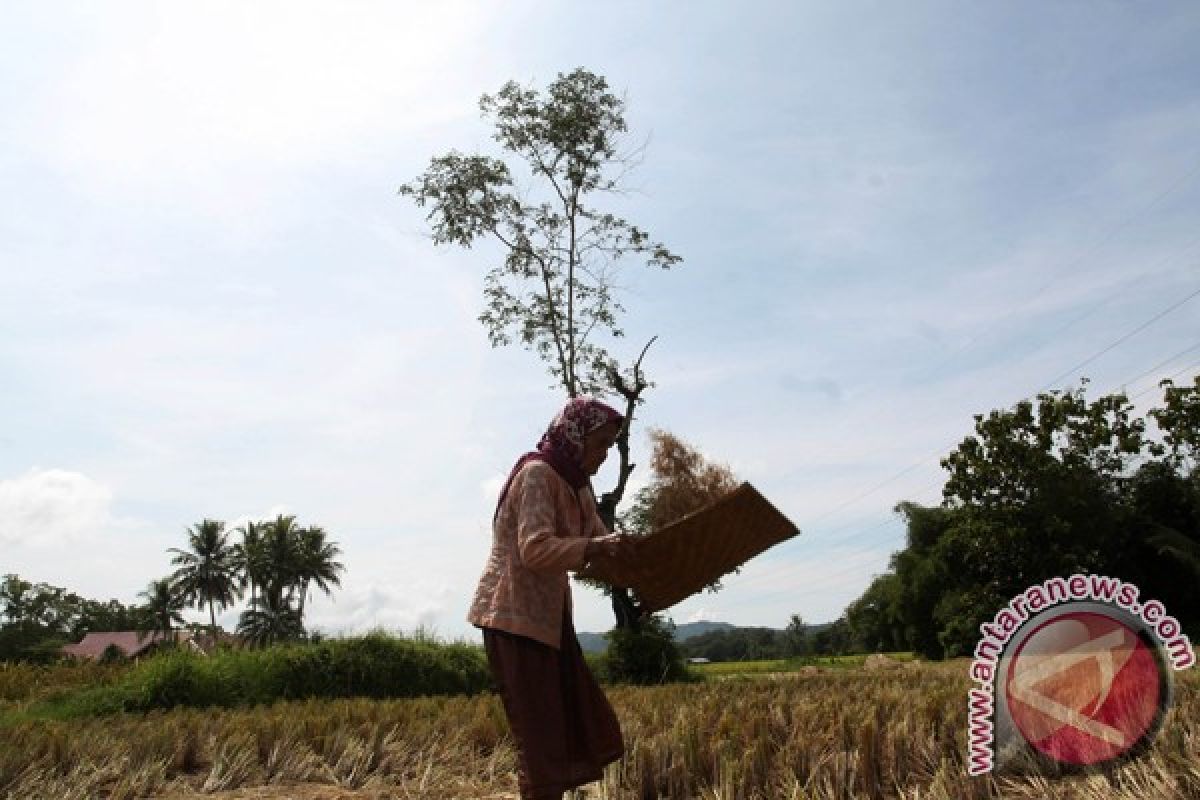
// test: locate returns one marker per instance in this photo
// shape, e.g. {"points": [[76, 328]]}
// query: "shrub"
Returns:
{"points": [[376, 665], [647, 656]]}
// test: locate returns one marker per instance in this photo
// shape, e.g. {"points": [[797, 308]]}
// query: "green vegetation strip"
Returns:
{"points": [[376, 666], [722, 668]]}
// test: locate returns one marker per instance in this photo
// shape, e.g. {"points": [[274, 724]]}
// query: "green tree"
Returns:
{"points": [[873, 619], [644, 656], [163, 605], [281, 562], [553, 288], [207, 572], [316, 563], [795, 637], [1179, 421], [249, 558], [37, 619], [275, 558], [269, 620]]}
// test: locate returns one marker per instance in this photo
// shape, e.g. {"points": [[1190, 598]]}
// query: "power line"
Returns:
{"points": [[783, 569], [1159, 366], [1122, 340], [1087, 253], [1104, 240], [937, 454], [1188, 368]]}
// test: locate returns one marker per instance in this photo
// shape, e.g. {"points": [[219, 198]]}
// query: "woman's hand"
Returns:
{"points": [[613, 546]]}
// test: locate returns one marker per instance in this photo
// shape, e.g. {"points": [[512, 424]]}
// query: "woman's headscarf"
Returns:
{"points": [[561, 446]]}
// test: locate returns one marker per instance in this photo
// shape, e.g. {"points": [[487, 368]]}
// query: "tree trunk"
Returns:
{"points": [[625, 610]]}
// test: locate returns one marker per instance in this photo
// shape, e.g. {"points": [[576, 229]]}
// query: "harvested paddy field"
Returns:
{"points": [[847, 733]]}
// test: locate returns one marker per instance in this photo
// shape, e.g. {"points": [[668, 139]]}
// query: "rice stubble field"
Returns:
{"points": [[896, 730]]}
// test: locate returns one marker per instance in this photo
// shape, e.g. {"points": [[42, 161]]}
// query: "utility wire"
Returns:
{"points": [[783, 569], [1104, 240], [1175, 186], [1054, 381], [1157, 367]]}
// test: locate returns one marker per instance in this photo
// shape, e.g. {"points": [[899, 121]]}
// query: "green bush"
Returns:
{"points": [[598, 665], [376, 665], [645, 657]]}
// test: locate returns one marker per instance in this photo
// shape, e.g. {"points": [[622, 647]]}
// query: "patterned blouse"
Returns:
{"points": [[539, 534]]}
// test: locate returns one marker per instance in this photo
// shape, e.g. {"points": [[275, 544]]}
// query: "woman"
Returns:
{"points": [[546, 524]]}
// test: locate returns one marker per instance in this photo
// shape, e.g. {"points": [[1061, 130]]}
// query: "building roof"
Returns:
{"points": [[93, 645], [132, 643]]}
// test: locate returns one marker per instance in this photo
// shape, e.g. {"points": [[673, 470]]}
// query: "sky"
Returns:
{"points": [[214, 304]]}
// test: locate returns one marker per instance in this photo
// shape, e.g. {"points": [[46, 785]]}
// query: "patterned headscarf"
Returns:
{"points": [[561, 446]]}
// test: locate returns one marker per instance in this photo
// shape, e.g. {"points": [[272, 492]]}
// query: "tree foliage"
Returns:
{"points": [[207, 573], [553, 289], [645, 656], [281, 560], [37, 619], [163, 603]]}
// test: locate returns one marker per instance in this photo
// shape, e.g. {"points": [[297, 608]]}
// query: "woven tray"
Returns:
{"points": [[680, 559]]}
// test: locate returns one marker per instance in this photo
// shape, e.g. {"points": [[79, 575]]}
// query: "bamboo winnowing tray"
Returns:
{"points": [[682, 558]]}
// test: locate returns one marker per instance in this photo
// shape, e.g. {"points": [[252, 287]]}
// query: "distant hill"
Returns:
{"points": [[596, 643]]}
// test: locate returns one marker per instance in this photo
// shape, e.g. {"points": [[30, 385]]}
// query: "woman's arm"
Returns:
{"points": [[539, 544]]}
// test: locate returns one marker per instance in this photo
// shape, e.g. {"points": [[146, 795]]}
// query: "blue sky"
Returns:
{"points": [[212, 302]]}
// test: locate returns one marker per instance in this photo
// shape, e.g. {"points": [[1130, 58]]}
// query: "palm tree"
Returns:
{"points": [[265, 622], [273, 562], [315, 563], [207, 571], [249, 557], [162, 608], [280, 556]]}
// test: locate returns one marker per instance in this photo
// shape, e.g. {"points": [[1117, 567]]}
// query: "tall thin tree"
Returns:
{"points": [[554, 288], [207, 572]]}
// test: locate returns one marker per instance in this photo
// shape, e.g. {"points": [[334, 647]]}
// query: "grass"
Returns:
{"points": [[724, 668], [844, 733]]}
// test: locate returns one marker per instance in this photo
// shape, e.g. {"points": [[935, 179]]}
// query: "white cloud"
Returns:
{"points": [[396, 608], [53, 508], [703, 614], [224, 307]]}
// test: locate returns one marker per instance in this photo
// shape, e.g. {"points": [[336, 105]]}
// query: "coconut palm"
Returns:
{"points": [[249, 557], [207, 571], [274, 562], [316, 563], [280, 561], [266, 622], [162, 608]]}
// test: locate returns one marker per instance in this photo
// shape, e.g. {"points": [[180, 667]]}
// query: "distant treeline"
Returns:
{"points": [[37, 619], [756, 644]]}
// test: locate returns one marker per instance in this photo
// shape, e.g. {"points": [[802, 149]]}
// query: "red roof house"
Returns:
{"points": [[133, 644]]}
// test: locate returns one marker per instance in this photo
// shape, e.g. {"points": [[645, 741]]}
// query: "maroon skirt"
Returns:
{"points": [[564, 728]]}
